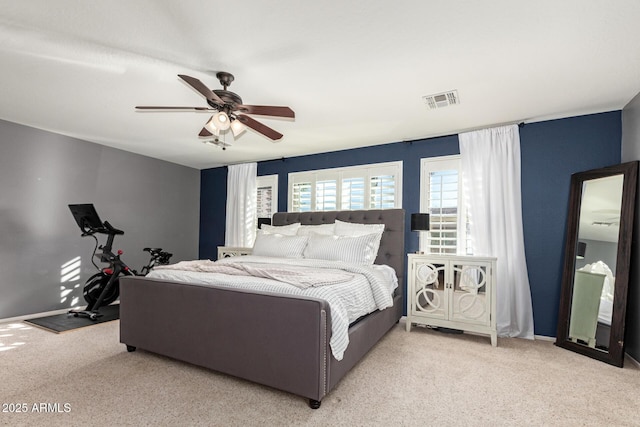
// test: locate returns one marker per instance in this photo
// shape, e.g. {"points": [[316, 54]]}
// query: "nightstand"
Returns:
{"points": [[228, 251], [456, 292]]}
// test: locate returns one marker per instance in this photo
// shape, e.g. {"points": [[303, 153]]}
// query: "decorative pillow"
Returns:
{"points": [[279, 245], [354, 249], [285, 230], [356, 229], [326, 229]]}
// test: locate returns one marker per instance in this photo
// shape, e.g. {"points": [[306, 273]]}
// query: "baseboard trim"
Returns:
{"points": [[632, 360], [544, 338]]}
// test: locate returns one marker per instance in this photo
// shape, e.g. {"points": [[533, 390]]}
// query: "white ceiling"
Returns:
{"points": [[353, 71], [600, 208]]}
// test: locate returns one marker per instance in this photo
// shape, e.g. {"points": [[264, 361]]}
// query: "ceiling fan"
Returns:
{"points": [[231, 112]]}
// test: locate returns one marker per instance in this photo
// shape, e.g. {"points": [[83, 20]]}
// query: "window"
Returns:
{"points": [[267, 195], [383, 188], [374, 186], [301, 197], [326, 195], [441, 197], [353, 193]]}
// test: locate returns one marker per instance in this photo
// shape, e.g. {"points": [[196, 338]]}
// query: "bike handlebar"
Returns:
{"points": [[111, 229], [106, 228]]}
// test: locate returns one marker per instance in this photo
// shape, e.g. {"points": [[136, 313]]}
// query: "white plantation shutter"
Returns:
{"points": [[301, 197], [373, 186], [353, 193], [382, 192], [441, 198], [443, 210], [265, 197], [326, 195]]}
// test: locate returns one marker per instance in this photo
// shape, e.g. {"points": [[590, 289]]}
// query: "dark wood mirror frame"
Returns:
{"points": [[615, 355]]}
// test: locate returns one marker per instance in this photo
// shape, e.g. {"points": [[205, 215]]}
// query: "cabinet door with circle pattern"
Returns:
{"points": [[470, 300], [429, 296]]}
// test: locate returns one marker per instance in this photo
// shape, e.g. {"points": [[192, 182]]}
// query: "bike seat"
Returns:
{"points": [[152, 249]]}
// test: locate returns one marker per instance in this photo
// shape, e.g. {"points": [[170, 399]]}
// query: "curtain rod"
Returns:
{"points": [[520, 124], [281, 159]]}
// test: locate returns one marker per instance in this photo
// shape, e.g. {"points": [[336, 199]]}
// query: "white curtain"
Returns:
{"points": [[490, 161], [240, 228]]}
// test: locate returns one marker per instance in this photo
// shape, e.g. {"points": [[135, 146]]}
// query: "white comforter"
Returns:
{"points": [[370, 288]]}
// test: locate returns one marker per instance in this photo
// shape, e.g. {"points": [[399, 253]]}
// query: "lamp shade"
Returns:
{"points": [[419, 222], [211, 127], [263, 221], [221, 120], [237, 128], [581, 250]]}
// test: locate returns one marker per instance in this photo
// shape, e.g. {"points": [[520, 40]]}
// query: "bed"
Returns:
{"points": [[275, 339]]}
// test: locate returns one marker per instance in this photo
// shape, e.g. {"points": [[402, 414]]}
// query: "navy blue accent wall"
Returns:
{"points": [[409, 152], [213, 207], [214, 181], [551, 152]]}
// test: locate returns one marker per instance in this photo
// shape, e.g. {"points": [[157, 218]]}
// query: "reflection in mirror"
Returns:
{"points": [[596, 251], [596, 267]]}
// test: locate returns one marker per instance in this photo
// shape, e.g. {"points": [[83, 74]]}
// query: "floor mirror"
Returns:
{"points": [[595, 278]]}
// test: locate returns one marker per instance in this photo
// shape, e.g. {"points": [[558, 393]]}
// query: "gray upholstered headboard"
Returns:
{"points": [[391, 250]]}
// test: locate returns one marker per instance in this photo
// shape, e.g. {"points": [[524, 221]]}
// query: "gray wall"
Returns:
{"points": [[597, 250], [156, 203], [630, 152]]}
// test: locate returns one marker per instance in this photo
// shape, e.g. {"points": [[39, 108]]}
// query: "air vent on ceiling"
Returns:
{"points": [[441, 100]]}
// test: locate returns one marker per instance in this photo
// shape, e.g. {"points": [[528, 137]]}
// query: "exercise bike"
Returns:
{"points": [[103, 288]]}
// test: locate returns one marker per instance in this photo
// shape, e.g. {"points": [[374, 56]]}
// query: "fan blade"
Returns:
{"points": [[267, 110], [200, 87], [151, 107], [259, 127], [205, 132]]}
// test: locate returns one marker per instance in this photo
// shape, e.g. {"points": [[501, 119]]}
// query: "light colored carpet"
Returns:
{"points": [[421, 378]]}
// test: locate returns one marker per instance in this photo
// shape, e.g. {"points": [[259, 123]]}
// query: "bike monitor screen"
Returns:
{"points": [[86, 217]]}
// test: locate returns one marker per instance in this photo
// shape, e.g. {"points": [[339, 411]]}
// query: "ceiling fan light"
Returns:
{"points": [[211, 127], [237, 128], [221, 120]]}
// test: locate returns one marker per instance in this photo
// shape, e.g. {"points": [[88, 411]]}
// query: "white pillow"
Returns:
{"points": [[354, 249], [327, 229], [286, 230], [356, 229], [279, 245]]}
